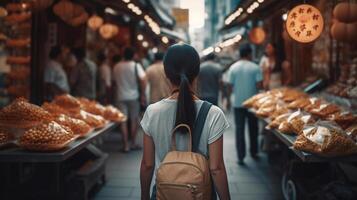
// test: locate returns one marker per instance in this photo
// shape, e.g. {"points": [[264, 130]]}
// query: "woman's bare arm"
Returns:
{"points": [[147, 166], [218, 169]]}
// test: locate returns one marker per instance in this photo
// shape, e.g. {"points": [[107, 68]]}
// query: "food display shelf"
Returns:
{"points": [[289, 140], [16, 154]]}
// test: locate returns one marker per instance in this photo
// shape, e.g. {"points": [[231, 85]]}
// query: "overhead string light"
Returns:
{"points": [[152, 24], [233, 16]]}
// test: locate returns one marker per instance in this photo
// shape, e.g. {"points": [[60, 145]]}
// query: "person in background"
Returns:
{"points": [[209, 80], [55, 77], [159, 85], [245, 78], [271, 67], [83, 76], [67, 59], [182, 65], [105, 79], [287, 77], [128, 76]]}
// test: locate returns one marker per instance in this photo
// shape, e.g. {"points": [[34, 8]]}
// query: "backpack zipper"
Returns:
{"points": [[193, 188]]}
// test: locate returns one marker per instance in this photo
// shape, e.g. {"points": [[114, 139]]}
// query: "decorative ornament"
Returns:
{"points": [[345, 12], [304, 23], [3, 12], [38, 5], [344, 32], [108, 30], [95, 22], [257, 35]]}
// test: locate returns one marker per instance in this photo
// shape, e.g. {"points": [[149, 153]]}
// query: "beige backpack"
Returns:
{"points": [[183, 175]]}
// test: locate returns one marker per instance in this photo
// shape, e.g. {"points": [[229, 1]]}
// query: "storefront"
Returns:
{"points": [[319, 104], [46, 149]]}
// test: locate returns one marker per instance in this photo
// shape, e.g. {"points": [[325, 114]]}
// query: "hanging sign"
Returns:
{"points": [[304, 23]]}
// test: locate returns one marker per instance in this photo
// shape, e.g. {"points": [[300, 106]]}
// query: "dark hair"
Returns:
{"points": [[116, 58], [159, 56], [210, 56], [101, 57], [129, 53], [55, 52], [245, 50], [182, 66], [79, 53]]}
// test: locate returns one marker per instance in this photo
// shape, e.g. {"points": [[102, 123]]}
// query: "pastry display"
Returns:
{"points": [[286, 126], [78, 127], [54, 109], [352, 132], [18, 60], [299, 103], [68, 102], [325, 109], [113, 114], [5, 137], [291, 95], [95, 121], [47, 137], [293, 112], [278, 120], [22, 114], [314, 104], [249, 103], [92, 106], [344, 119], [325, 141]]}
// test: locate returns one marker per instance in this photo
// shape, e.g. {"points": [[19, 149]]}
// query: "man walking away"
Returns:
{"points": [[245, 78], [128, 76], [83, 76], [209, 80], [159, 85]]}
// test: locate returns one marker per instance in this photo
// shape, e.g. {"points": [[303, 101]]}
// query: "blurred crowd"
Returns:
{"points": [[131, 84]]}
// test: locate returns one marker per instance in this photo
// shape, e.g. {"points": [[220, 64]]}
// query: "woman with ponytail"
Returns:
{"points": [[182, 65]]}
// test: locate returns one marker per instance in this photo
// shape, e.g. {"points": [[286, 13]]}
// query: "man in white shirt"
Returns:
{"points": [[129, 77], [55, 77], [245, 78]]}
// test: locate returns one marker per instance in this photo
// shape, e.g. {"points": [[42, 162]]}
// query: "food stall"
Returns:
{"points": [[47, 149], [314, 120]]}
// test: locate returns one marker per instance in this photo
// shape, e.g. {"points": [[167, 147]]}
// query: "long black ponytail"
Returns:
{"points": [[182, 65]]}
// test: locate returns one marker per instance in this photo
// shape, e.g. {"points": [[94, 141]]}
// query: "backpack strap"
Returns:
{"points": [[199, 124]]}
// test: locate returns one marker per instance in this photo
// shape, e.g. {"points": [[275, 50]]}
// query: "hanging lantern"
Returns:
{"points": [[95, 22], [344, 32], [3, 12], [108, 31], [65, 10], [257, 35], [38, 5], [77, 21], [345, 12], [304, 23]]}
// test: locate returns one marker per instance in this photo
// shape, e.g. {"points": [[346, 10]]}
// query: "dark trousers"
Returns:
{"points": [[240, 115]]}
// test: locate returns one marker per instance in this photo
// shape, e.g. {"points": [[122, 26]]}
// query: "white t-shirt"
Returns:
{"points": [[105, 74], [159, 119], [125, 80], [55, 74]]}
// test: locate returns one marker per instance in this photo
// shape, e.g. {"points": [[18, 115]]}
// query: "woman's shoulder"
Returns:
{"points": [[159, 106], [215, 112]]}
